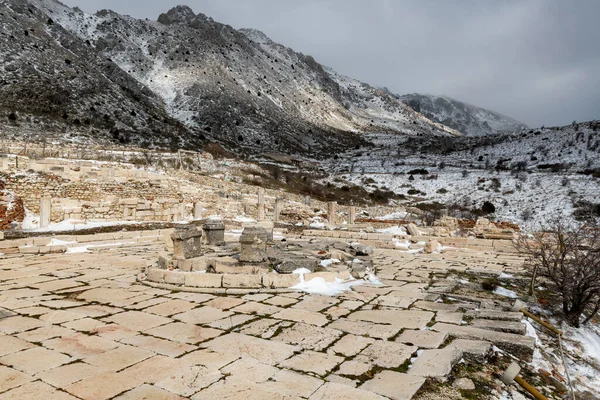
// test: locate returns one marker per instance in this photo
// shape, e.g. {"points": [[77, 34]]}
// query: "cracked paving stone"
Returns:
{"points": [[386, 354], [394, 385], [202, 315], [189, 380], [269, 352], [148, 392], [137, 320], [312, 361], [35, 360], [308, 336], [337, 391], [35, 390], [184, 333]]}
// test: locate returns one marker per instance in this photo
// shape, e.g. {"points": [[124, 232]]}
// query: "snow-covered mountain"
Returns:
{"points": [[465, 118], [180, 80]]}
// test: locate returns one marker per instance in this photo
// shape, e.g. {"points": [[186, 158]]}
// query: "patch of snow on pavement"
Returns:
{"points": [[505, 292]]}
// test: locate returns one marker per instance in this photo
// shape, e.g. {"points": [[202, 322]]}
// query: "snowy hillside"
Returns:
{"points": [[236, 87], [465, 118]]}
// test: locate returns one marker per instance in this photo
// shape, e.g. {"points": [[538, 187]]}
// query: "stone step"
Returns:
{"points": [[474, 350], [497, 315], [500, 326], [510, 342], [436, 363]]}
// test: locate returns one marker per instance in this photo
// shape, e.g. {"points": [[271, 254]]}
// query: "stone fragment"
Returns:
{"points": [[253, 244], [413, 230], [474, 350], [422, 339], [463, 384], [312, 361], [435, 363]]}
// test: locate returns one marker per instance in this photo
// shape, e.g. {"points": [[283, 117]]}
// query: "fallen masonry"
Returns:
{"points": [[207, 311]]}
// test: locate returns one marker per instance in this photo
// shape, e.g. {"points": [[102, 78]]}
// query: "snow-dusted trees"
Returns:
{"points": [[569, 259]]}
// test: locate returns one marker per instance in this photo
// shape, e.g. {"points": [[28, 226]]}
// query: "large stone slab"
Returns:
{"points": [[266, 351], [500, 326], [386, 354], [338, 391], [308, 336], [435, 363], [394, 385], [422, 339], [475, 350], [312, 361], [516, 344], [498, 315], [399, 318]]}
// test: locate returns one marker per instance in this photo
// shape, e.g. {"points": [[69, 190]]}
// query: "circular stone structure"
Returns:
{"points": [[215, 233], [253, 243]]}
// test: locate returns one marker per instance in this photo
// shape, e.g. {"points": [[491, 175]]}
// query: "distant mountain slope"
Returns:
{"points": [[468, 119], [184, 78]]}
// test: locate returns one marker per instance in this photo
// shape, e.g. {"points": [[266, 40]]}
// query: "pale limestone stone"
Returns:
{"points": [[422, 339], [516, 344], [350, 345], [308, 317], [259, 327], [368, 329], [119, 358], [449, 317], [394, 385], [386, 354], [170, 307], [250, 369], [236, 390], [402, 319], [11, 378], [472, 349], [269, 352], [231, 321], [463, 384], [292, 384], [67, 374], [242, 281], [35, 360], [17, 324], [395, 301], [500, 326], [316, 303], [337, 391], [353, 368], [189, 380], [280, 281], [224, 303], [36, 390], [209, 359], [279, 300], [11, 344], [202, 315], [148, 392], [252, 307], [308, 336], [80, 345], [138, 320], [184, 333], [195, 279], [435, 363], [311, 361]]}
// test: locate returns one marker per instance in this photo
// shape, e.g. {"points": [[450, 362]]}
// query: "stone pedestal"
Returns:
{"points": [[277, 209], [261, 204], [214, 232], [198, 210], [351, 214], [187, 243], [253, 242], [45, 211], [331, 212]]}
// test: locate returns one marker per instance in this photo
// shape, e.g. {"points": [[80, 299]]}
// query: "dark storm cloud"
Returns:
{"points": [[535, 60]]}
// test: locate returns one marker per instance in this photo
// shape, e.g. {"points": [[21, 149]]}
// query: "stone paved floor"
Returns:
{"points": [[79, 326]]}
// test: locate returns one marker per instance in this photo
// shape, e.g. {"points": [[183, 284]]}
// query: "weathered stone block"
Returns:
{"points": [[175, 277], [197, 279], [214, 232], [290, 265], [280, 280], [187, 243], [254, 244], [242, 281], [156, 275]]}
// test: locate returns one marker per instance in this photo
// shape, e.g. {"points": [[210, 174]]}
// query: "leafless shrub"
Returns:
{"points": [[570, 260]]}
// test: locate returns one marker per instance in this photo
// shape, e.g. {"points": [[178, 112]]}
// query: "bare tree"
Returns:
{"points": [[570, 260]]}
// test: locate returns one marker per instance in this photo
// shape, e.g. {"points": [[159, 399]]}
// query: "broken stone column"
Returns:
{"points": [[261, 204], [277, 209], [198, 210], [214, 232], [331, 212], [253, 243], [351, 214], [187, 243], [45, 211], [413, 230]]}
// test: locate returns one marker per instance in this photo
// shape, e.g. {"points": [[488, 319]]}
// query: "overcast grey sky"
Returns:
{"points": [[535, 60]]}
